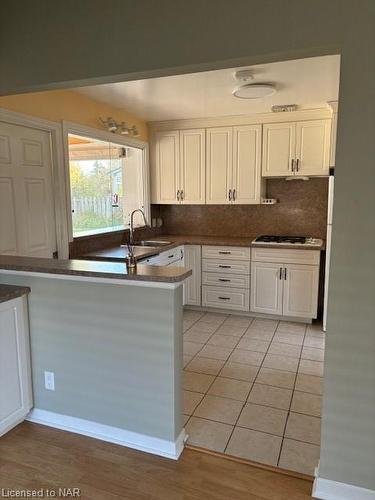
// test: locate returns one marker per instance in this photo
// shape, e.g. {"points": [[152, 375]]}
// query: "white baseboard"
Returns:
{"points": [[325, 489], [250, 314], [122, 437]]}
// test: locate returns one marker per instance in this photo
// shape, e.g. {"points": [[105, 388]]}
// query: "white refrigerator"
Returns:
{"points": [[331, 183]]}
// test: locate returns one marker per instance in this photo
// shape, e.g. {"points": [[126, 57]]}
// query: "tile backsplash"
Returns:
{"points": [[301, 210]]}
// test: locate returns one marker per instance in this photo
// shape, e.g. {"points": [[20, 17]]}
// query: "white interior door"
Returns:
{"points": [[247, 164], [192, 166], [279, 141], [27, 216], [219, 165], [266, 288], [301, 290]]}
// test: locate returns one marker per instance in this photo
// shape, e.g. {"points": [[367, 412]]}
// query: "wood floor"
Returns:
{"points": [[34, 456]]}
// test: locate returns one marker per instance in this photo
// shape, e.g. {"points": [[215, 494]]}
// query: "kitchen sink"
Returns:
{"points": [[152, 243]]}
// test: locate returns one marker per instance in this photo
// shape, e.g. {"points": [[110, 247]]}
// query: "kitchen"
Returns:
{"points": [[241, 200]]}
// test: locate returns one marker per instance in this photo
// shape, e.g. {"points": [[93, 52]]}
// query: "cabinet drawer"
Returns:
{"points": [[223, 252], [225, 266], [230, 298], [165, 258], [226, 280], [285, 256]]}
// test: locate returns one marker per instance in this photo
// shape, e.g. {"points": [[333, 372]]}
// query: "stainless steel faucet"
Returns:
{"points": [[131, 257], [131, 233]]}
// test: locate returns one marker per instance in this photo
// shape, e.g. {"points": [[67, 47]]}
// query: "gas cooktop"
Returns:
{"points": [[287, 240]]}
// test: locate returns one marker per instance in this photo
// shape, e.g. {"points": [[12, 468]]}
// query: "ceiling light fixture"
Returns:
{"points": [[254, 91], [119, 128]]}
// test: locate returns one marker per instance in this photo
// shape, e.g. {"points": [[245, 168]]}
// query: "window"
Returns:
{"points": [[106, 182]]}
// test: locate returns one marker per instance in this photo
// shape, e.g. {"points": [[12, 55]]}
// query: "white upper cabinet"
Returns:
{"points": [[246, 176], [192, 166], [219, 165], [165, 167], [279, 144], [296, 148], [178, 167], [312, 147], [234, 165]]}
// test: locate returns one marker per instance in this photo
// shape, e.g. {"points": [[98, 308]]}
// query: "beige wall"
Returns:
{"points": [[57, 105], [163, 37]]}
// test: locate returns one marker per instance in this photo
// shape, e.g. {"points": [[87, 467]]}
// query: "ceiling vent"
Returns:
{"points": [[281, 108]]}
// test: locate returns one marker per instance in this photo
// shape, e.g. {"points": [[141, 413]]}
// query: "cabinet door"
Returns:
{"points": [[219, 165], [247, 164], [300, 298], [266, 288], [192, 285], [15, 377], [313, 147], [165, 167], [192, 166], [279, 142]]}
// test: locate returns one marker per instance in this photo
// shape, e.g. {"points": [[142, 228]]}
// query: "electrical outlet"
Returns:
{"points": [[49, 381]]}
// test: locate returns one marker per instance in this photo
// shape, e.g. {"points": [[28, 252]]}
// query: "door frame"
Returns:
{"points": [[67, 128], [54, 130]]}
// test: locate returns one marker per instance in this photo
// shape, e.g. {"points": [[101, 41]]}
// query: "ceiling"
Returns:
{"points": [[309, 83]]}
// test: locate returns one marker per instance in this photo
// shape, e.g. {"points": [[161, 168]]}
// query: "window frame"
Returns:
{"points": [[103, 135]]}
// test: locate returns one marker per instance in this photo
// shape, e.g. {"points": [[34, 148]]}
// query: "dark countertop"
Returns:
{"points": [[114, 270], [9, 292], [118, 253]]}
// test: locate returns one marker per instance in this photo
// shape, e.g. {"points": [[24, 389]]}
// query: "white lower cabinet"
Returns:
{"points": [[284, 289], [15, 373], [226, 277], [300, 296], [266, 288], [192, 285]]}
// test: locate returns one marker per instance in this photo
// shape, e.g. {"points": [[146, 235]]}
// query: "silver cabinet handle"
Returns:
{"points": [[280, 273], [234, 195], [285, 273], [224, 267], [230, 195], [297, 165], [292, 165], [182, 194], [178, 195]]}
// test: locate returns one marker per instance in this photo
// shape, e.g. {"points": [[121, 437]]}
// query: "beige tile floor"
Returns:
{"points": [[253, 388]]}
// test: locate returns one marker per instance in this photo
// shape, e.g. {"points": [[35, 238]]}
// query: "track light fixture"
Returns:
{"points": [[119, 128]]}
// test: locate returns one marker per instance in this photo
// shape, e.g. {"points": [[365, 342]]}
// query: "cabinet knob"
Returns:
{"points": [[230, 195]]}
